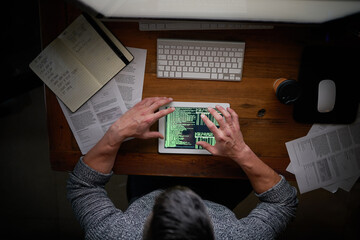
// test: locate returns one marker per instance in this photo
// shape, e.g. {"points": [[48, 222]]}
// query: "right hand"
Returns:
{"points": [[229, 139], [230, 143], [137, 121]]}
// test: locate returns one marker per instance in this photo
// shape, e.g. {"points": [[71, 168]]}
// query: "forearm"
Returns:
{"points": [[102, 156], [278, 198], [261, 176]]}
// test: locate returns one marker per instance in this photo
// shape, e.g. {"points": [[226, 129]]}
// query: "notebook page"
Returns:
{"points": [[64, 75], [91, 50]]}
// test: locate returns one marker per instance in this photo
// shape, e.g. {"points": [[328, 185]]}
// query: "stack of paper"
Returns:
{"points": [[328, 157]]}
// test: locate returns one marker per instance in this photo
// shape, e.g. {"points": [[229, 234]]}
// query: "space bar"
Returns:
{"points": [[196, 75]]}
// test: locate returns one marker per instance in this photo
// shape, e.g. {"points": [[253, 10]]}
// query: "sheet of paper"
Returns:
{"points": [[92, 120], [327, 155], [344, 184], [318, 128], [131, 79]]}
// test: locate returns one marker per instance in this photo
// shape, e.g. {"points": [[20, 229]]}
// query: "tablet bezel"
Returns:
{"points": [[162, 125]]}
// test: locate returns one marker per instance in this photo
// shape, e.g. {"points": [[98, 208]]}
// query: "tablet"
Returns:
{"points": [[184, 127]]}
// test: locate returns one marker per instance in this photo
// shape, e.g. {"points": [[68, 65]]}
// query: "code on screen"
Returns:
{"points": [[184, 127]]}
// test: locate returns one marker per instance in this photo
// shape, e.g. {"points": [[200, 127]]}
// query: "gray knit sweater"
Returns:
{"points": [[102, 220]]}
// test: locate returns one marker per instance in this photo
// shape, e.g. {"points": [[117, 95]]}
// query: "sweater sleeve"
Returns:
{"points": [[277, 207], [269, 218], [86, 193]]}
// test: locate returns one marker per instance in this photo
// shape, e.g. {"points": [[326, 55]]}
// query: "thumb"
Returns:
{"points": [[207, 146], [148, 135]]}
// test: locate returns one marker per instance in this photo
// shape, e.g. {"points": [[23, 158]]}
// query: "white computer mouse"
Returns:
{"points": [[326, 96]]}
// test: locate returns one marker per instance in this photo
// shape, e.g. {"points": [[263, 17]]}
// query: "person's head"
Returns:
{"points": [[178, 213]]}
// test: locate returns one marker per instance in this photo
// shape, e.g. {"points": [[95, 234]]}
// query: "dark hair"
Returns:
{"points": [[179, 213]]}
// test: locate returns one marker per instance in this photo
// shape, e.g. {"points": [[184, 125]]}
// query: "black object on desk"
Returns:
{"points": [[339, 64]]}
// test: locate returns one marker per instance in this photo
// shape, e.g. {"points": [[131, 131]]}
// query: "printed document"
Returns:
{"points": [[328, 157], [90, 122], [130, 80]]}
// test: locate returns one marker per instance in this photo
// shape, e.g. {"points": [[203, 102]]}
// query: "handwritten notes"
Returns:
{"points": [[77, 63]]}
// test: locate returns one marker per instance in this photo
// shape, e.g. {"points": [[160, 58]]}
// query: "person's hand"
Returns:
{"points": [[137, 121], [230, 143], [229, 139]]}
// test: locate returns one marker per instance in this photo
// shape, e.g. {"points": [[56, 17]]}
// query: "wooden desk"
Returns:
{"points": [[269, 54]]}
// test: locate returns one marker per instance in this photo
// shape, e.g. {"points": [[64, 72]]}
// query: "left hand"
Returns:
{"points": [[137, 121]]}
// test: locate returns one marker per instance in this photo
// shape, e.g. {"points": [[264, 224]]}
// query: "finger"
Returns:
{"points": [[217, 116], [234, 117], [148, 135], [158, 102], [212, 127], [225, 113], [210, 148], [142, 102], [163, 113], [149, 102], [152, 118]]}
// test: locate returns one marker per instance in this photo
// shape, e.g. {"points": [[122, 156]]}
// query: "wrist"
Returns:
{"points": [[115, 136], [244, 156], [102, 156]]}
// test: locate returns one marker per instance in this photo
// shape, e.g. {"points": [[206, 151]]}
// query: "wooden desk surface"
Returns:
{"points": [[269, 54]]}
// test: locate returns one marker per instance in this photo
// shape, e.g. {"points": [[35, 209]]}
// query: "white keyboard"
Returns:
{"points": [[206, 60]]}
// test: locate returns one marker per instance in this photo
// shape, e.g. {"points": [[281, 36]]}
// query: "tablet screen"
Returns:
{"points": [[184, 127]]}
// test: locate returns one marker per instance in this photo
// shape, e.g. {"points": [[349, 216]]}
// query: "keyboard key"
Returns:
{"points": [[162, 62], [196, 75], [234, 71]]}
